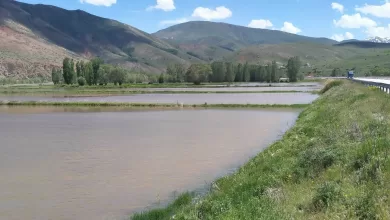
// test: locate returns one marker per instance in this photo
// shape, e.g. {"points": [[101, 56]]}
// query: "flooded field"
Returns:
{"points": [[58, 163], [211, 98], [238, 89]]}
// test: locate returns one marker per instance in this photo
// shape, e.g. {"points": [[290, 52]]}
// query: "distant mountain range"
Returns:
{"points": [[35, 38]]}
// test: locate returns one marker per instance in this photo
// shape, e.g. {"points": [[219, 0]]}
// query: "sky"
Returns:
{"points": [[339, 20]]}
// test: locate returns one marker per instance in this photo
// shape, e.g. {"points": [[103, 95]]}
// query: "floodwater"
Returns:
{"points": [[209, 98], [62, 164], [237, 89]]}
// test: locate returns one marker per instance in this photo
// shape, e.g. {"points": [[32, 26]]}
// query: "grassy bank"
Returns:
{"points": [[333, 164], [146, 105]]}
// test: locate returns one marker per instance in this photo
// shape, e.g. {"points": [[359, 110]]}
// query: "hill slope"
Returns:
{"points": [[35, 37], [212, 40]]}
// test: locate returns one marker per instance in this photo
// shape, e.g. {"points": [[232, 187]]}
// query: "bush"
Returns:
{"points": [[81, 81], [327, 193], [313, 161], [330, 84]]}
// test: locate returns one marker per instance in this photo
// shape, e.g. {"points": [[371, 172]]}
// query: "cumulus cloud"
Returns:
{"points": [[260, 24], [337, 6], [174, 21], [382, 11], [290, 28], [354, 21], [378, 31], [212, 14], [165, 5], [341, 37], [106, 3]]}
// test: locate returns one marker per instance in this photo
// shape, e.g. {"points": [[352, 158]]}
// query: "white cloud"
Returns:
{"points": [[106, 3], [378, 31], [290, 28], [165, 5], [337, 6], [175, 21], [260, 24], [341, 37], [354, 21], [210, 14], [382, 11]]}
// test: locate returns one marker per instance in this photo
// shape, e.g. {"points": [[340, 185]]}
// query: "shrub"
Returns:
{"points": [[331, 84], [81, 81], [327, 193], [313, 161]]}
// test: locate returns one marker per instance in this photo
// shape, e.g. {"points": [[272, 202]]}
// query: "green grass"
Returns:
{"points": [[333, 164], [147, 105]]}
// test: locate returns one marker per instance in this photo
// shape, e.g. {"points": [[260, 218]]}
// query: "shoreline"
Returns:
{"points": [[324, 167]]}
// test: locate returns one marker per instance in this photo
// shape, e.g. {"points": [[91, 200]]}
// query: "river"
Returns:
{"points": [[63, 164]]}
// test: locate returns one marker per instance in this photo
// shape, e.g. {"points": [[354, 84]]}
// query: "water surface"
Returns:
{"points": [[106, 165], [209, 98]]}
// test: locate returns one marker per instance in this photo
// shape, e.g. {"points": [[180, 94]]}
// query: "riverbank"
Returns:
{"points": [[333, 164]]}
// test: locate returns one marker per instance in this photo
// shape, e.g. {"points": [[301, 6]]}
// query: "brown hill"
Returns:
{"points": [[33, 38]]}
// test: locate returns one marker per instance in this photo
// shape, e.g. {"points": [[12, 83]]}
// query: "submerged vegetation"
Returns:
{"points": [[333, 164]]}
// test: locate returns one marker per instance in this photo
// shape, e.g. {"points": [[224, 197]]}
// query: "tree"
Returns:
{"points": [[66, 69], [103, 76], [293, 67], [73, 75], [118, 75], [180, 72], [81, 81], [229, 72], [96, 62], [88, 71], [198, 73], [218, 71], [239, 73], [56, 76], [247, 74], [82, 68], [161, 78], [171, 72], [274, 70], [78, 68]]}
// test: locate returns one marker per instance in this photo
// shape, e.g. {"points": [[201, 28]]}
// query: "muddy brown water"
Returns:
{"points": [[63, 164], [209, 98]]}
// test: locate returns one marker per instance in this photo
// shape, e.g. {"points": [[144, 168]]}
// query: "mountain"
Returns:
{"points": [[212, 40], [379, 39], [34, 38]]}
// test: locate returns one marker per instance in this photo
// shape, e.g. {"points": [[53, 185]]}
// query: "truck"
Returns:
{"points": [[350, 74]]}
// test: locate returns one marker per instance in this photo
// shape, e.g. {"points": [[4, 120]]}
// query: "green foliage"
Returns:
{"points": [[293, 67], [118, 75], [198, 73], [96, 62], [230, 75], [161, 78], [239, 73], [66, 71], [104, 75], [218, 71], [326, 194], [330, 84], [56, 76], [246, 73], [81, 81], [88, 73], [380, 71]]}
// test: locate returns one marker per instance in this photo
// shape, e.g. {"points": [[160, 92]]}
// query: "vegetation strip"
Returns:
{"points": [[333, 164], [119, 92], [151, 105]]}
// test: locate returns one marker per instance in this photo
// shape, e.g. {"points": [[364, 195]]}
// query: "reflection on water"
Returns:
{"points": [[234, 98], [106, 165]]}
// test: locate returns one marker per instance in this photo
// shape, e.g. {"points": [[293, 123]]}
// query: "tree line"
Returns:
{"points": [[95, 72], [219, 71]]}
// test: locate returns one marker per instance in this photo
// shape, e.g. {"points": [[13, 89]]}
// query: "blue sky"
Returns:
{"points": [[343, 19]]}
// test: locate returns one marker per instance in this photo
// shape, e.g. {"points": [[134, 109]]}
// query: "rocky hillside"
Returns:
{"points": [[34, 38]]}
